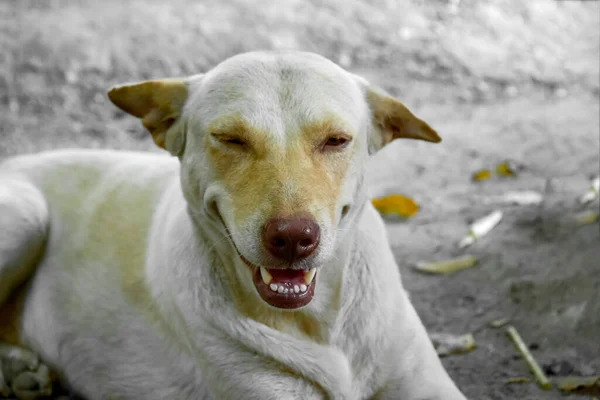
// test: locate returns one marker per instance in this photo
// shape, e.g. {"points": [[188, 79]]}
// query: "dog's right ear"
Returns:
{"points": [[159, 104]]}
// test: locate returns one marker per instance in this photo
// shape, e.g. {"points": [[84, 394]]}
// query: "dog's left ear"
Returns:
{"points": [[159, 104], [392, 120]]}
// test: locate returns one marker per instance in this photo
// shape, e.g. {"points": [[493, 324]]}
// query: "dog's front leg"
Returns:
{"points": [[416, 371], [233, 371], [253, 359]]}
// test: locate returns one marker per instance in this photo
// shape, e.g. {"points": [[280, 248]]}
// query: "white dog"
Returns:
{"points": [[249, 266]]}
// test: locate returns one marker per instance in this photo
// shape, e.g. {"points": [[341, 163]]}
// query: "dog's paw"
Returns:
{"points": [[22, 376]]}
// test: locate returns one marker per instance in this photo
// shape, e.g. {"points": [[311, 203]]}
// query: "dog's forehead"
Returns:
{"points": [[279, 93]]}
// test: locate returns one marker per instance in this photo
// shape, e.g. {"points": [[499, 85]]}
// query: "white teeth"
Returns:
{"points": [[284, 290], [266, 276], [309, 276]]}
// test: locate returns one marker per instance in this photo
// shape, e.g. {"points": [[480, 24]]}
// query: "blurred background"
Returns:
{"points": [[499, 79]]}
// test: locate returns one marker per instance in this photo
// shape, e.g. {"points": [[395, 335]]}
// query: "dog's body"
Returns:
{"points": [[143, 263]]}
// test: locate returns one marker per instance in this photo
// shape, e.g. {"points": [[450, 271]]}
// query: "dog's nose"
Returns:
{"points": [[291, 239]]}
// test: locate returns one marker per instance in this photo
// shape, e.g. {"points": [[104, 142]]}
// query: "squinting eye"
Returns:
{"points": [[335, 143], [234, 141], [230, 140]]}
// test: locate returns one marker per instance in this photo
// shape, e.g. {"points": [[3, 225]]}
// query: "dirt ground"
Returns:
{"points": [[498, 80]]}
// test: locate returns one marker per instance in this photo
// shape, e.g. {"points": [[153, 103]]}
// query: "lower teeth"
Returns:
{"points": [[282, 289]]}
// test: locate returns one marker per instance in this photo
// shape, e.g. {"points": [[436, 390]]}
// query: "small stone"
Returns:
{"points": [[558, 368]]}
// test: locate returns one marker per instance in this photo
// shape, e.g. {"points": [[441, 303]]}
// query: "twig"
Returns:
{"points": [[533, 365]]}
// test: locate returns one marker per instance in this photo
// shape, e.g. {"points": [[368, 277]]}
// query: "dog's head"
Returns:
{"points": [[273, 147]]}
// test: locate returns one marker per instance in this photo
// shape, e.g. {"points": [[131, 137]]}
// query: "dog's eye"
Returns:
{"points": [[230, 140], [234, 141], [335, 143]]}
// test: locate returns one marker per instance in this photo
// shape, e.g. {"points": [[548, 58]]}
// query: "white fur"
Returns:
{"points": [[133, 296]]}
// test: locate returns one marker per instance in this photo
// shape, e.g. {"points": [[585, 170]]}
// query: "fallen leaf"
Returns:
{"points": [[577, 383], [498, 323], [507, 169], [481, 227], [586, 217], [446, 266], [521, 198], [446, 343], [592, 192], [481, 175], [396, 205]]}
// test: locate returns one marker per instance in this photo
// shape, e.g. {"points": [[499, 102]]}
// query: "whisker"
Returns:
{"points": [[224, 237]]}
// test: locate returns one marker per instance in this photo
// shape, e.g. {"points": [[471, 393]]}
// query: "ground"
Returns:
{"points": [[497, 79]]}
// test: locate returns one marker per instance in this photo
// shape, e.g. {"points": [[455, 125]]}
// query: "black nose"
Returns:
{"points": [[291, 239]]}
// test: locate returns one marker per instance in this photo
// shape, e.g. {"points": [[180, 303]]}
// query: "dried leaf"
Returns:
{"points": [[446, 343], [396, 205], [586, 217], [518, 379], [592, 192], [481, 227], [576, 383], [522, 198], [507, 169], [481, 175], [498, 323], [446, 266]]}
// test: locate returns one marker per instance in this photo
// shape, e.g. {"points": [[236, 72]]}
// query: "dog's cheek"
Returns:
{"points": [[352, 190], [193, 184]]}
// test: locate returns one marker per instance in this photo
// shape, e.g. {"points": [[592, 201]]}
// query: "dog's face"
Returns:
{"points": [[273, 148]]}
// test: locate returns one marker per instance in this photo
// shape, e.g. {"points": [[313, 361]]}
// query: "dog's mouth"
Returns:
{"points": [[283, 288]]}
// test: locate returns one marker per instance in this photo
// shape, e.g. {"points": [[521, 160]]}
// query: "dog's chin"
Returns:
{"points": [[287, 288]]}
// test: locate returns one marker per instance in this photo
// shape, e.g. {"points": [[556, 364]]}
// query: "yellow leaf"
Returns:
{"points": [[576, 383], [506, 168], [447, 266], [481, 175], [396, 205]]}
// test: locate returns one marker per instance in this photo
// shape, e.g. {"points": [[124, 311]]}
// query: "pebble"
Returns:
{"points": [[558, 368]]}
